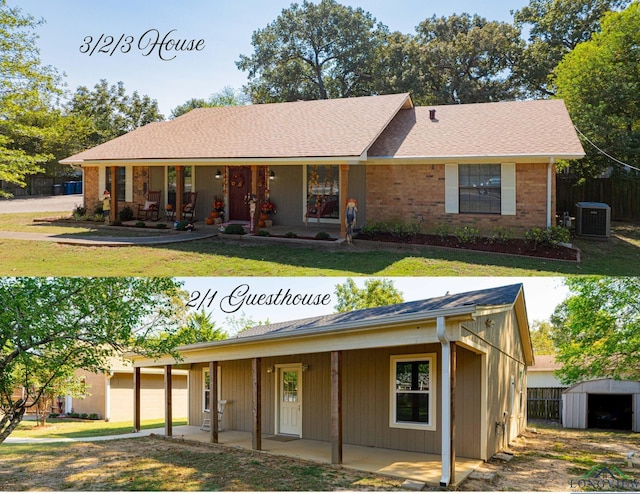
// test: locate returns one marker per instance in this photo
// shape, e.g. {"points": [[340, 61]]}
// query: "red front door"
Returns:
{"points": [[239, 189]]}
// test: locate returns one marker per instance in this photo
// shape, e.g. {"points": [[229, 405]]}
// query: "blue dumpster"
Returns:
{"points": [[78, 188], [69, 188]]}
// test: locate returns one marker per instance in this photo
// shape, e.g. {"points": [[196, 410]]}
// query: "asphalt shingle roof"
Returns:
{"points": [[382, 126], [487, 297]]}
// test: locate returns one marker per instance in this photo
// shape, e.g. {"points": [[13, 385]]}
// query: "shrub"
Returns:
{"points": [[376, 227], [322, 236], [141, 224], [290, 235], [500, 234], [405, 230], [558, 235], [93, 416], [467, 234], [161, 226], [234, 230], [74, 415], [184, 225], [79, 212], [263, 233], [84, 415], [54, 415], [551, 236], [443, 230], [126, 214]]}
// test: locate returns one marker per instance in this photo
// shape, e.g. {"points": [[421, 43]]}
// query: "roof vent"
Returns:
{"points": [[432, 114]]}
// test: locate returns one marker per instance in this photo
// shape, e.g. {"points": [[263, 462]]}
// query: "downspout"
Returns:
{"points": [[549, 194], [446, 401]]}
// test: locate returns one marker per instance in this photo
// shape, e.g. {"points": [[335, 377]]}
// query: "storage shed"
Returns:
{"points": [[602, 404]]}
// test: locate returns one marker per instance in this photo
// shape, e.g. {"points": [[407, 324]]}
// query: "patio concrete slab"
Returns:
{"points": [[420, 467]]}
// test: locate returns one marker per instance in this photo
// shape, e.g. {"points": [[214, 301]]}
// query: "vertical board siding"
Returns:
{"points": [[544, 403]]}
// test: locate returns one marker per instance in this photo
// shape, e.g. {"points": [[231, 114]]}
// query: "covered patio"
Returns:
{"points": [[402, 464]]}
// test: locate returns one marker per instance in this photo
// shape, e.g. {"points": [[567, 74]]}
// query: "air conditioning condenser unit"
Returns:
{"points": [[593, 219]]}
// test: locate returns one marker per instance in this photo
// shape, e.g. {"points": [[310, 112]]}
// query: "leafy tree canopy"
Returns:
{"points": [[597, 329], [199, 328], [541, 338], [112, 111], [555, 28], [599, 81], [466, 59], [26, 89], [49, 327], [227, 97], [376, 293], [314, 51]]}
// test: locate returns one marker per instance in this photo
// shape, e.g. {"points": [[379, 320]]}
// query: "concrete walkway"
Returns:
{"points": [[46, 440], [114, 241]]}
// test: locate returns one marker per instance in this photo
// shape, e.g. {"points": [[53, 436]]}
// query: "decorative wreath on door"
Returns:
{"points": [[237, 180]]}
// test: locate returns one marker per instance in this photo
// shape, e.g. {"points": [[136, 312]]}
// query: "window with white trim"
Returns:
{"points": [[413, 383], [480, 189], [206, 389]]}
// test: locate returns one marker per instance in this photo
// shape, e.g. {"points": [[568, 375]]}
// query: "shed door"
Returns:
{"points": [[609, 411], [290, 401]]}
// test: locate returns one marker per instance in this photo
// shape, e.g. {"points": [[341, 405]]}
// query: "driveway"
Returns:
{"points": [[41, 204]]}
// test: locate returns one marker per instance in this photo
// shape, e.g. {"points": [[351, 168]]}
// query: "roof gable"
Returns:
{"points": [[324, 128]]}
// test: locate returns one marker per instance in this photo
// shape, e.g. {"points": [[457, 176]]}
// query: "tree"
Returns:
{"points": [[50, 327], [199, 328], [555, 27], [465, 59], [112, 111], [376, 293], [227, 97], [26, 86], [541, 338], [600, 82], [238, 324], [314, 51], [597, 329]]}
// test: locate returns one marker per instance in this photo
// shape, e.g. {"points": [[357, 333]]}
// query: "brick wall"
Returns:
{"points": [[90, 186], [416, 194]]}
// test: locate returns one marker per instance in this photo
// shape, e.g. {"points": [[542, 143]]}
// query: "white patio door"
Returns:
{"points": [[290, 400]]}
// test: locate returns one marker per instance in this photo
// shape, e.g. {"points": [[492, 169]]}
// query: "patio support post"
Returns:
{"points": [[445, 480], [254, 193], [336, 407], [454, 364], [179, 191], [168, 418], [113, 215], [136, 399], [344, 192], [213, 400], [256, 437]]}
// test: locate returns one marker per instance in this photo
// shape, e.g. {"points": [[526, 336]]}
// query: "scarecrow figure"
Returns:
{"points": [[106, 205], [350, 218]]}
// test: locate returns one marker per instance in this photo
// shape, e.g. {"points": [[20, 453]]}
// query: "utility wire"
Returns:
{"points": [[605, 153]]}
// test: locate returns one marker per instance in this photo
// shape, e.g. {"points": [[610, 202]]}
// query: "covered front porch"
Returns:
{"points": [[402, 464]]}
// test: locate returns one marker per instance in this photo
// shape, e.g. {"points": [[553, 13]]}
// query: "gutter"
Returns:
{"points": [[446, 401]]}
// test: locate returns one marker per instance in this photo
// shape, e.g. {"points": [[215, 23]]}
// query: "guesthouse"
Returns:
{"points": [[443, 377]]}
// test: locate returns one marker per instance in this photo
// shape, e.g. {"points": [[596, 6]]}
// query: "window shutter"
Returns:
{"points": [[508, 181], [128, 184], [451, 194]]}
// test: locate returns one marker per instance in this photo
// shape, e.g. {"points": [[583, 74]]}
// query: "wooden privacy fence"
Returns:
{"points": [[622, 193], [544, 403]]}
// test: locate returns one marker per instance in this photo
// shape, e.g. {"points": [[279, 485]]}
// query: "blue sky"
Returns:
{"points": [[225, 27], [542, 294]]}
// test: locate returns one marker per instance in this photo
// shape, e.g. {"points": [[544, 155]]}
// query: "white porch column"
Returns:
{"points": [[445, 381]]}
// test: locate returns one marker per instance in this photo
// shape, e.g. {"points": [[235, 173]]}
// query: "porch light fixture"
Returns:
{"points": [[272, 176], [270, 369], [218, 174], [305, 367]]}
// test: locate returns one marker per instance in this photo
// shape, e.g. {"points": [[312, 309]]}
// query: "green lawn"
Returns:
{"points": [[61, 428], [619, 256]]}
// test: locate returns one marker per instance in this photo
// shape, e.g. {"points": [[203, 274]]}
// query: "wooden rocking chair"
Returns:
{"points": [[150, 210], [189, 208]]}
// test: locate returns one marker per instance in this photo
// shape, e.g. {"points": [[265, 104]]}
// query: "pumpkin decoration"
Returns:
{"points": [[169, 207], [214, 214], [209, 221], [261, 223]]}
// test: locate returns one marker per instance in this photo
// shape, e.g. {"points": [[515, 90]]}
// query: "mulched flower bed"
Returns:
{"points": [[518, 247]]}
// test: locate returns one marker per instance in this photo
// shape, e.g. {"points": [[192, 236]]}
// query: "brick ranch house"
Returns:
{"points": [[490, 164], [443, 377]]}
